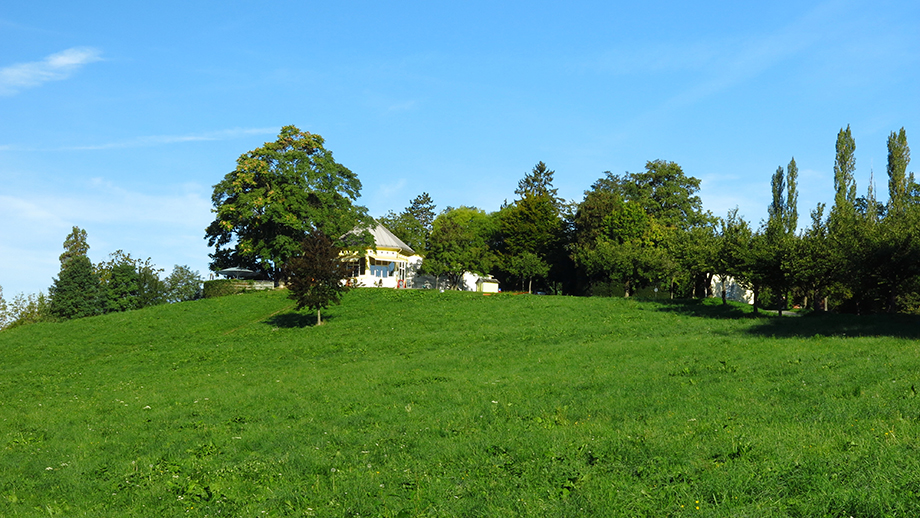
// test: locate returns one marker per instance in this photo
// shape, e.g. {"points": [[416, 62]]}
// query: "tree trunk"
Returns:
{"points": [[892, 301], [530, 287], [724, 295], [319, 320], [756, 298]]}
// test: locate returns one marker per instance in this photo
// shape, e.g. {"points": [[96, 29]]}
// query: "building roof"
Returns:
{"points": [[383, 238]]}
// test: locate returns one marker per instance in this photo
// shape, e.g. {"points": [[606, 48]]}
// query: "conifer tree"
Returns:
{"points": [[77, 291]]}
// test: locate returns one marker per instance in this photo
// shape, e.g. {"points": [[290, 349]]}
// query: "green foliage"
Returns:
{"points": [[413, 225], [130, 283], [843, 211], [224, 287], [23, 309], [183, 284], [76, 292], [316, 277], [4, 316], [279, 193], [459, 244], [122, 288], [538, 183], [527, 266], [646, 228], [548, 406], [75, 244], [529, 234], [663, 190], [627, 245]]}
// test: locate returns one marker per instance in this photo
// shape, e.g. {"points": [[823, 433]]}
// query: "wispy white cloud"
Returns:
{"points": [[159, 140], [18, 77], [153, 140], [388, 190]]}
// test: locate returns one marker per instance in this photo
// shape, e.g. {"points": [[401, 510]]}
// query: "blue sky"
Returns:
{"points": [[119, 118]]}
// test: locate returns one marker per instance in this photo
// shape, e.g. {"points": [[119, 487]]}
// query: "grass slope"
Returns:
{"points": [[411, 403]]}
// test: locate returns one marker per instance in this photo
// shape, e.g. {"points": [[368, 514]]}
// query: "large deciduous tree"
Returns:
{"points": [[315, 275], [130, 283], [663, 190], [277, 195], [459, 244], [667, 198]]}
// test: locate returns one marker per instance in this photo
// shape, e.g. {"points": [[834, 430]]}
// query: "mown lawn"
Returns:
{"points": [[418, 403]]}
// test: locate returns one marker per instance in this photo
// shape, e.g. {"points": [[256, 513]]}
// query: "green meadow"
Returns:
{"points": [[420, 403]]}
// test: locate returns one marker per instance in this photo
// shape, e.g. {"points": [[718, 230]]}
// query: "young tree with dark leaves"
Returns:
{"points": [[315, 276]]}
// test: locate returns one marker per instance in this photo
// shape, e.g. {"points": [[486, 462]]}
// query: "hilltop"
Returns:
{"points": [[411, 403]]}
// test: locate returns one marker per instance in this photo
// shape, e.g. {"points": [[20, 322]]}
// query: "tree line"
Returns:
{"points": [[648, 230], [288, 208], [83, 289], [630, 232]]}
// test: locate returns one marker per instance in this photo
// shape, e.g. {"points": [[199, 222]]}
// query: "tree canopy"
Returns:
{"points": [[413, 225], [277, 195], [459, 244]]}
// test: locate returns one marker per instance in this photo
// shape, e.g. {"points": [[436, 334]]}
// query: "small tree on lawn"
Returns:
{"points": [[527, 265], [315, 276]]}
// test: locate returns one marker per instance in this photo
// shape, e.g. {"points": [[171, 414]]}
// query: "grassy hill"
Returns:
{"points": [[412, 403]]}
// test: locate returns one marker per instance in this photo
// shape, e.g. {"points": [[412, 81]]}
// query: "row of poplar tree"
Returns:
{"points": [[84, 289], [648, 230]]}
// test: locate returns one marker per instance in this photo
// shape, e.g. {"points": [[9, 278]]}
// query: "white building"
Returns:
{"points": [[394, 264], [733, 290]]}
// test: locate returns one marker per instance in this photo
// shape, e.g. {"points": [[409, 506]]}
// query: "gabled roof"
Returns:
{"points": [[383, 238]]}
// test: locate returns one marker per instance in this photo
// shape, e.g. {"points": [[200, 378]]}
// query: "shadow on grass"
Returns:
{"points": [[294, 320], [805, 325]]}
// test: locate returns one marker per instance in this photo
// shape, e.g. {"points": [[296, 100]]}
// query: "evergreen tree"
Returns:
{"points": [[74, 245], [529, 232], [76, 291], [538, 183], [413, 225]]}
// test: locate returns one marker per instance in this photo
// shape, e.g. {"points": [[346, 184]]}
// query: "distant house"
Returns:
{"points": [[733, 290], [394, 264], [391, 264]]}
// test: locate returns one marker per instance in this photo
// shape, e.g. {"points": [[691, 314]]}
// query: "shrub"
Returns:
{"points": [[223, 287]]}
